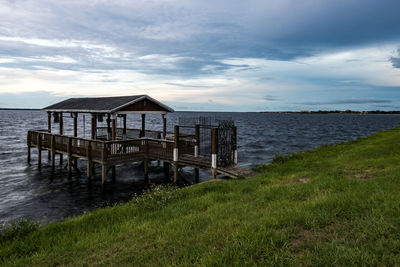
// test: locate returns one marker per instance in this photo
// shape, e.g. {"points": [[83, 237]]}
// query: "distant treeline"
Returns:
{"points": [[340, 112]]}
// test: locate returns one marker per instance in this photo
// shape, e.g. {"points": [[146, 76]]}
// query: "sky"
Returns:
{"points": [[202, 55]]}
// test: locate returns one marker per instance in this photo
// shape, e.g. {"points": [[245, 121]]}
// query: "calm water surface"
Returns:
{"points": [[26, 192]]}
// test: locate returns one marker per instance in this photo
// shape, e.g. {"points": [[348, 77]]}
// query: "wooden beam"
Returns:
{"points": [[113, 173], [235, 140], [196, 150], [53, 153], [146, 161], [104, 153], [69, 156], [214, 151], [143, 133], [61, 122], [196, 175], [124, 127], [166, 170], [75, 115], [146, 170], [113, 127], [93, 126], [49, 130], [39, 147], [28, 142], [108, 126], [89, 160], [176, 153], [49, 121], [164, 117], [103, 174]]}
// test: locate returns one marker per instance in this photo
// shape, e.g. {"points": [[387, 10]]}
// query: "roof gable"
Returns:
{"points": [[110, 105]]}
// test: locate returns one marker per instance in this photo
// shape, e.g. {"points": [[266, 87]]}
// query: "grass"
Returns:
{"points": [[337, 205]]}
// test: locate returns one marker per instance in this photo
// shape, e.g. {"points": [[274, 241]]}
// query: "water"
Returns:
{"points": [[26, 192]]}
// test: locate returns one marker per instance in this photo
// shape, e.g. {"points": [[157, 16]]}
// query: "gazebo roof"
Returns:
{"points": [[118, 105]]}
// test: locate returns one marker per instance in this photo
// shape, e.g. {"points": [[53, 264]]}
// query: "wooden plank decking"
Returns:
{"points": [[117, 152]]}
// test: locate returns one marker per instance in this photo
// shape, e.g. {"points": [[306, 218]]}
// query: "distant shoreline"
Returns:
{"points": [[275, 112], [338, 112], [20, 109]]}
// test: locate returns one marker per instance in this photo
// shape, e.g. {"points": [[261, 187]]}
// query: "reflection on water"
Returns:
{"points": [[26, 192]]}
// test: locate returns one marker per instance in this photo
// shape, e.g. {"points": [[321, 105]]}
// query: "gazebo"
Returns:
{"points": [[111, 146], [109, 107]]}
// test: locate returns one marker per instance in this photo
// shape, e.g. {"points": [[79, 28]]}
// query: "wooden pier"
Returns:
{"points": [[112, 146]]}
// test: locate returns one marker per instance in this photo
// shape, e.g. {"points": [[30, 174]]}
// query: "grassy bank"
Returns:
{"points": [[336, 205]]}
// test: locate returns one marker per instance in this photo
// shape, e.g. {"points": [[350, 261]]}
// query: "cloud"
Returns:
{"points": [[188, 52], [396, 60], [188, 85], [271, 98]]}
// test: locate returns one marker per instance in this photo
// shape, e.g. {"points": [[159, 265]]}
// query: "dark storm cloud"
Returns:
{"points": [[203, 31], [171, 42]]}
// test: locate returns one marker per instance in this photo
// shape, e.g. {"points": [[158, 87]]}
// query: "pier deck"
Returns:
{"points": [[118, 152], [201, 144]]}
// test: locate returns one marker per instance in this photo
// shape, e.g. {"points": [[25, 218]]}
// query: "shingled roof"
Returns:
{"points": [[117, 104]]}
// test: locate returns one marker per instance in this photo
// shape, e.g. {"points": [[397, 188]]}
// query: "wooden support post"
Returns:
{"points": [[143, 132], [176, 153], [146, 171], [124, 127], [103, 164], [93, 127], [214, 152], [75, 116], [196, 175], [164, 117], [114, 129], [108, 126], [197, 138], [49, 130], [39, 146], [75, 143], [104, 153], [103, 174], [69, 154], [61, 122], [28, 142], [113, 173], [53, 153], [61, 159], [146, 161], [235, 140], [196, 150], [49, 121], [89, 160], [166, 170]]}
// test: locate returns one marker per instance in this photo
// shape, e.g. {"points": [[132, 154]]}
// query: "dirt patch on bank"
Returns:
{"points": [[303, 237], [365, 175], [302, 180]]}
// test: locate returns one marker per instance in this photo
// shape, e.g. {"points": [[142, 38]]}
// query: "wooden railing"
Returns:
{"points": [[102, 133], [182, 149], [103, 151]]}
